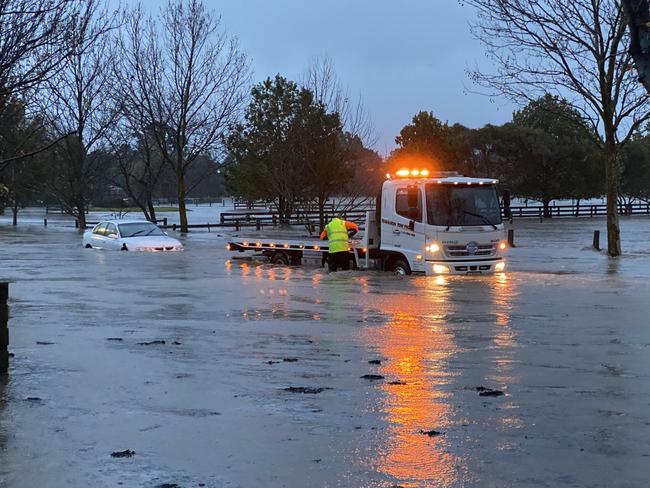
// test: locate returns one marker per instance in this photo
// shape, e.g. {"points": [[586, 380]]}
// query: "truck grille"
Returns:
{"points": [[463, 251]]}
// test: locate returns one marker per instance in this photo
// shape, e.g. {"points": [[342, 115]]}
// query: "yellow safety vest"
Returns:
{"points": [[337, 236]]}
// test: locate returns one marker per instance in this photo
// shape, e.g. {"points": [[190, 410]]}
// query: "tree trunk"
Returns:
{"points": [[547, 209], [611, 174], [182, 211], [14, 211], [152, 210], [81, 217]]}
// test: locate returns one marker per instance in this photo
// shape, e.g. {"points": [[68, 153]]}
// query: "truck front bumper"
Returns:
{"points": [[469, 267]]}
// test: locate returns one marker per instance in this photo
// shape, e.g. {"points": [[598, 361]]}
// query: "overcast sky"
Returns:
{"points": [[399, 56]]}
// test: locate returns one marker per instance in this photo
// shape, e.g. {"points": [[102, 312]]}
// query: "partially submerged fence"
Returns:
{"points": [[537, 211]]}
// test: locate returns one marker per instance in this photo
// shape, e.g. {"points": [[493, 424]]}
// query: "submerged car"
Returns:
{"points": [[129, 235]]}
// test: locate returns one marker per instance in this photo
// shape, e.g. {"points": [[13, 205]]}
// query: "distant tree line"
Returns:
{"points": [[546, 152]]}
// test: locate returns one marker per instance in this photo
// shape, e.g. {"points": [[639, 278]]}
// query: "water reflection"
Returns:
{"points": [[418, 343]]}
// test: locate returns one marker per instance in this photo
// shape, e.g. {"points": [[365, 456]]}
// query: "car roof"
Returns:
{"points": [[131, 221]]}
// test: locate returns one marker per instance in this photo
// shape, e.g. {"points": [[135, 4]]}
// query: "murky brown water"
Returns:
{"points": [[564, 336]]}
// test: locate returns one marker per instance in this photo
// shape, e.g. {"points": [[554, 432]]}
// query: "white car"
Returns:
{"points": [[129, 235]]}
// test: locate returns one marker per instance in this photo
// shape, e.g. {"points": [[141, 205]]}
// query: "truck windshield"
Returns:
{"points": [[462, 205]]}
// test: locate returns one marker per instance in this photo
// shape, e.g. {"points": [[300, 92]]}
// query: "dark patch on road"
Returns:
{"points": [[374, 361], [45, 343], [431, 433], [116, 339], [290, 360], [308, 390], [372, 377], [487, 392], [397, 382], [123, 454], [151, 343]]}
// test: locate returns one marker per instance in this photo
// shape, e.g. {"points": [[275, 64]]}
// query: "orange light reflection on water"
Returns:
{"points": [[416, 345]]}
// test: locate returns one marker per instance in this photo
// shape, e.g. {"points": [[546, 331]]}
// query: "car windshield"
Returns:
{"points": [[462, 205], [138, 229]]}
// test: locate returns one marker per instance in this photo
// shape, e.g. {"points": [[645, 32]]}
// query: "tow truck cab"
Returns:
{"points": [[437, 224]]}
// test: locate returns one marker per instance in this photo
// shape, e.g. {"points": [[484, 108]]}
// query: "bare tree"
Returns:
{"points": [[574, 49], [189, 78], [33, 41], [33, 46], [638, 19], [322, 80], [77, 100]]}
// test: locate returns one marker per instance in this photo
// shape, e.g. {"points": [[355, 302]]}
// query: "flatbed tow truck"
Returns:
{"points": [[423, 222]]}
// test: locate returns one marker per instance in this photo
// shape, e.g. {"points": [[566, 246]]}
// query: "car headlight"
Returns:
{"points": [[440, 269], [433, 247], [500, 266]]}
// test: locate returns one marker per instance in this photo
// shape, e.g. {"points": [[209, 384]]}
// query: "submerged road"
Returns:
{"points": [[272, 377]]}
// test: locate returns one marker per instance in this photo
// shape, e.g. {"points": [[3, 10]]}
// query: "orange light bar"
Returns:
{"points": [[405, 173]]}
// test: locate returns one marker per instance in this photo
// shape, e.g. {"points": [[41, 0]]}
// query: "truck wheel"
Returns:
{"points": [[280, 258], [399, 267]]}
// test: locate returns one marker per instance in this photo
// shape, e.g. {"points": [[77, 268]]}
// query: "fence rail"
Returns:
{"points": [[537, 211]]}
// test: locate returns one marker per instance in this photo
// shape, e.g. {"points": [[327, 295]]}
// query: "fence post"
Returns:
{"points": [[258, 225], [596, 242], [45, 222], [4, 331], [237, 225], [165, 221], [511, 237], [76, 223]]}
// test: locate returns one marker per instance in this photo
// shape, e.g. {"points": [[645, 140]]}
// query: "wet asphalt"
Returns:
{"points": [[220, 372]]}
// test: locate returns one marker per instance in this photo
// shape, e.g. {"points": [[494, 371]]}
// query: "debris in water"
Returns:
{"points": [[481, 388], [374, 361], [169, 485], [372, 377], [118, 339], [305, 389], [490, 393], [122, 454], [272, 362], [431, 433], [316, 460], [397, 382], [45, 343], [34, 399], [177, 343], [290, 360], [150, 343]]}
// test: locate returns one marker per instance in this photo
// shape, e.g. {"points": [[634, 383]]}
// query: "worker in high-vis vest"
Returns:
{"points": [[337, 233]]}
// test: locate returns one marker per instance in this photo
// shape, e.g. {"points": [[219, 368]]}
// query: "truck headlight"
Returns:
{"points": [[433, 247], [503, 245], [440, 269], [499, 267]]}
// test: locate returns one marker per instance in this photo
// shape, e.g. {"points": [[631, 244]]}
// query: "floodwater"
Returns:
{"points": [[563, 334]]}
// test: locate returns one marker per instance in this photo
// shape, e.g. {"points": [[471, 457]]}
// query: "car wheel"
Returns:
{"points": [[88, 246], [124, 248], [280, 258], [399, 267]]}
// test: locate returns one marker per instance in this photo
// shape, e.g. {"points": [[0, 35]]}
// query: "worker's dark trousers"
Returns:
{"points": [[339, 260]]}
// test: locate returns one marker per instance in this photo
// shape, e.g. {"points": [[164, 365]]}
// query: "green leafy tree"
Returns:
{"points": [[556, 157], [426, 139], [635, 161], [21, 178], [289, 149]]}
